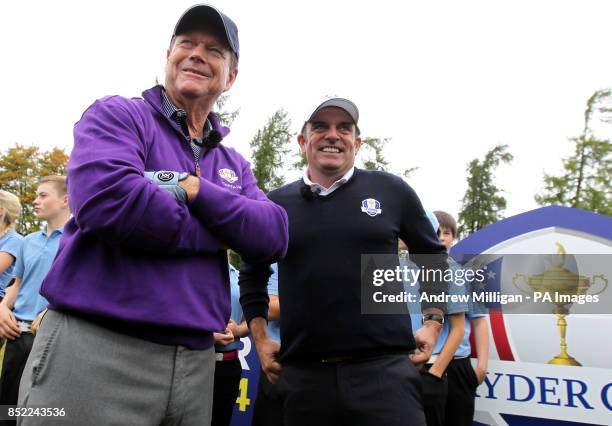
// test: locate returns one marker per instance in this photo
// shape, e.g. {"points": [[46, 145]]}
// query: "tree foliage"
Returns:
{"points": [[270, 145], [372, 155], [20, 169], [373, 158], [586, 177], [301, 161], [482, 203], [226, 117]]}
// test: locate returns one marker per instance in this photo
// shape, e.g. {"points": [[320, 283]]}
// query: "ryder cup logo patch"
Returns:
{"points": [[371, 207], [229, 175]]}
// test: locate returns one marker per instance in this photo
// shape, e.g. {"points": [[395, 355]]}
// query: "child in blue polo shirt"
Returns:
{"points": [[463, 379], [10, 241], [22, 304], [268, 407], [10, 245], [433, 373], [227, 366]]}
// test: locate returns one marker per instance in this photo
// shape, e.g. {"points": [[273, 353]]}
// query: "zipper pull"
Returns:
{"points": [[198, 174]]}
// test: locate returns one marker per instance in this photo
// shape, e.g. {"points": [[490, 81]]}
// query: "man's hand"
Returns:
{"points": [[170, 181], [425, 338], [191, 185], [37, 321], [9, 329], [267, 349], [224, 338]]}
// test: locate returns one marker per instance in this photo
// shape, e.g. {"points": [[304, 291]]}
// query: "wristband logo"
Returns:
{"points": [[165, 176], [228, 175], [371, 207]]}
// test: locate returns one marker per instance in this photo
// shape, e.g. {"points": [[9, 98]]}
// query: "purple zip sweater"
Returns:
{"points": [[135, 260]]}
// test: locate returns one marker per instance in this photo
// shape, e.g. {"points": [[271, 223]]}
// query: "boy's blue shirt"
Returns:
{"points": [[273, 326], [11, 244], [476, 310], [451, 307], [236, 313], [32, 265]]}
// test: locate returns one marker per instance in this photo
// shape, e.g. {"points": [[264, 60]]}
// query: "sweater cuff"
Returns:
{"points": [[255, 310]]}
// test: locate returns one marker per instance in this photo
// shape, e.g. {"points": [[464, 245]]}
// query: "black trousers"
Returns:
{"points": [[384, 390], [15, 357], [462, 384], [435, 392], [268, 408], [227, 382]]}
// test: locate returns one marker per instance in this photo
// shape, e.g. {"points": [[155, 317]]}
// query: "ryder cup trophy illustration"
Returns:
{"points": [[561, 287]]}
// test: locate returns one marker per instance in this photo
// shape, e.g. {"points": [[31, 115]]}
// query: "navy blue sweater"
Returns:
{"points": [[320, 278]]}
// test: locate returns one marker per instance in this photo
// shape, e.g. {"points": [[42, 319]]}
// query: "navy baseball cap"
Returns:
{"points": [[202, 16], [342, 103]]}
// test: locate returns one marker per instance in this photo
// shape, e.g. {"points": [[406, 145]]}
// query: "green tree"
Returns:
{"points": [[586, 177], [482, 203], [226, 117], [270, 145], [373, 158], [301, 162], [20, 168], [374, 146]]}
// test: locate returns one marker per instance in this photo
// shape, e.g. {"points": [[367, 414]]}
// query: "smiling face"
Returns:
{"points": [[199, 65], [330, 143]]}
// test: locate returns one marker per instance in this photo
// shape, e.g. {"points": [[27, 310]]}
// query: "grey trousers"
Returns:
{"points": [[100, 377]]}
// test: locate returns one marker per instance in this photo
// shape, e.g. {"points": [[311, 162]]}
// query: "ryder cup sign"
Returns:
{"points": [[551, 368]]}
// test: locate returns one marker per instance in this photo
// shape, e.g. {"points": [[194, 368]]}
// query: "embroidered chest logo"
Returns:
{"points": [[371, 207], [229, 175]]}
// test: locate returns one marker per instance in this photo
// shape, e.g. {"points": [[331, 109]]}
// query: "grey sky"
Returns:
{"points": [[446, 80]]}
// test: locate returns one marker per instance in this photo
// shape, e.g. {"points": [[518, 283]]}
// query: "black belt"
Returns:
{"points": [[358, 357]]}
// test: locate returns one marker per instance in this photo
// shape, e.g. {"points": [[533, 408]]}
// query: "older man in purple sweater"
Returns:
{"points": [[140, 282]]}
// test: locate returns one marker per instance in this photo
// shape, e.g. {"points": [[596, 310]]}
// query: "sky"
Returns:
{"points": [[445, 80]]}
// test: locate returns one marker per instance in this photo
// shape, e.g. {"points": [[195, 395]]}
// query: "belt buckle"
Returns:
{"points": [[25, 327], [219, 356]]}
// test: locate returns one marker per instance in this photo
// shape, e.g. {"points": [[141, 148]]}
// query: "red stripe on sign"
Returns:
{"points": [[498, 328], [473, 353]]}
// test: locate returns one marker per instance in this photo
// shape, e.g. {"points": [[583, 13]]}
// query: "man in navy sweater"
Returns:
{"points": [[336, 364]]}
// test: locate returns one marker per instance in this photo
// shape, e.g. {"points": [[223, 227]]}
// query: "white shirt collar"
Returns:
{"points": [[320, 189]]}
